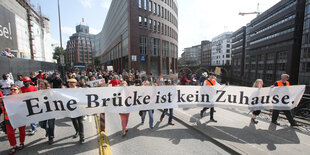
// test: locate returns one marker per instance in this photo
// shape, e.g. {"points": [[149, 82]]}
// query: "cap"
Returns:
{"points": [[26, 78], [72, 81], [205, 74]]}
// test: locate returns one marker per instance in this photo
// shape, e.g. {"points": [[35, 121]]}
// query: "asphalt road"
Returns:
{"points": [[162, 139], [64, 144]]}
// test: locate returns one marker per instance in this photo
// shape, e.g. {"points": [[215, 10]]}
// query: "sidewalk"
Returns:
{"points": [[63, 142], [235, 131]]}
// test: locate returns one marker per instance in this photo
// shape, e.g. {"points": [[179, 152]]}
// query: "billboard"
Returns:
{"points": [[8, 37]]}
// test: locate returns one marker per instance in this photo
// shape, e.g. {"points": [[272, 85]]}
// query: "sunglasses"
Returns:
{"points": [[14, 89]]}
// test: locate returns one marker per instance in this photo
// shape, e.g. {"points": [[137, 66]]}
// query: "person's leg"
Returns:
{"points": [[81, 127], [43, 124], [11, 134], [170, 115], [51, 129], [289, 116], [126, 119], [123, 121], [151, 118], [143, 116], [202, 111], [34, 126], [275, 115], [163, 114], [212, 114], [76, 126]]}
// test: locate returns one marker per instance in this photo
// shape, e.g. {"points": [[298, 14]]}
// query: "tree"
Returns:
{"points": [[57, 52]]}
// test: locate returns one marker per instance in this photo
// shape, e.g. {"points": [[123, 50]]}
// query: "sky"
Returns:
{"points": [[198, 19]]}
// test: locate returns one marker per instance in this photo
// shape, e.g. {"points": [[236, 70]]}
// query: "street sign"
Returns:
{"points": [[62, 60], [142, 58]]}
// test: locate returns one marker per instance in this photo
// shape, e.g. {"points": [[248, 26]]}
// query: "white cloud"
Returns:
{"points": [[67, 30], [93, 30], [87, 3], [105, 4]]}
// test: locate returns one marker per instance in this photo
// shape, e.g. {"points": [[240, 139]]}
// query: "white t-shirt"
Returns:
{"points": [[6, 85]]}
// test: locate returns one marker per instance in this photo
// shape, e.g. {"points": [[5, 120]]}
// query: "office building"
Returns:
{"points": [[221, 49]]}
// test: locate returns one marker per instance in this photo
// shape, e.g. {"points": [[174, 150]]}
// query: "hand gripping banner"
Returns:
{"points": [[33, 107]]}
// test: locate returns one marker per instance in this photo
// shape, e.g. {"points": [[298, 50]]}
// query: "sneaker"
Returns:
{"points": [[213, 120], [21, 146], [75, 135], [50, 142], [33, 132], [12, 150], [296, 124], [201, 113], [161, 119], [82, 140], [276, 123], [254, 121], [171, 123], [84, 118]]}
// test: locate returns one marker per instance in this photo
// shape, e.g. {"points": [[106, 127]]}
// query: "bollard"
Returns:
{"points": [[102, 122]]}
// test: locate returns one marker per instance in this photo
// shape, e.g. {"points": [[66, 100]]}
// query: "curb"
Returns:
{"points": [[225, 147], [299, 120]]}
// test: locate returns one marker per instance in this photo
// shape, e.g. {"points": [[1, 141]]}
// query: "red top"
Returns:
{"points": [[31, 88], [1, 95], [115, 82], [40, 76]]}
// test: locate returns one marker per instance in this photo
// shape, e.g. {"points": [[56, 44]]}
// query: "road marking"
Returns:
{"points": [[103, 142]]}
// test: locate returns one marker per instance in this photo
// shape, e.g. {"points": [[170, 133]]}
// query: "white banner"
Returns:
{"points": [[95, 83], [33, 107]]}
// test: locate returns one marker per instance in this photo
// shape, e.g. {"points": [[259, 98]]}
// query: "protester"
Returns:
{"points": [[209, 82], [257, 84], [115, 81], [56, 82], [203, 78], [150, 111], [14, 90], [25, 89], [184, 80], [48, 125], [168, 82], [40, 75], [34, 79], [124, 116], [275, 114], [130, 81], [7, 53], [19, 81], [83, 84], [2, 124], [6, 84], [78, 121]]}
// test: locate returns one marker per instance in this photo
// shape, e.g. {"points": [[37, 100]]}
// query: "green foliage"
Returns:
{"points": [[57, 52]]}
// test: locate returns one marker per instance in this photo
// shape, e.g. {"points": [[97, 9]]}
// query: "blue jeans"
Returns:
{"points": [[33, 126], [49, 126], [170, 114], [150, 116]]}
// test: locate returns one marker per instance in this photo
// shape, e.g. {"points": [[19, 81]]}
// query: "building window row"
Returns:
{"points": [[274, 25], [160, 11], [236, 36], [158, 27], [275, 12], [273, 36]]}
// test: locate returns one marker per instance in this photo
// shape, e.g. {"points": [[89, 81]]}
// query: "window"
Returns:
{"points": [[140, 3], [158, 10], [143, 45], [162, 12], [155, 8], [150, 23], [150, 6], [145, 4], [158, 27], [140, 20], [145, 22], [155, 25]]}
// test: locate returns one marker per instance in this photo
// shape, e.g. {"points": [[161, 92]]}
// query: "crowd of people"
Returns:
{"points": [[76, 79]]}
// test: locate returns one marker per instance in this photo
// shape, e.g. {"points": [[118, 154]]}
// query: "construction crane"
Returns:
{"points": [[249, 13]]}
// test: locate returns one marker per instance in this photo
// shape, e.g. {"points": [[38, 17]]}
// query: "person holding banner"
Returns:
{"points": [[25, 89], [143, 112], [10, 131], [257, 84], [275, 114], [78, 121], [124, 116], [209, 82], [168, 82], [115, 81], [48, 125]]}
